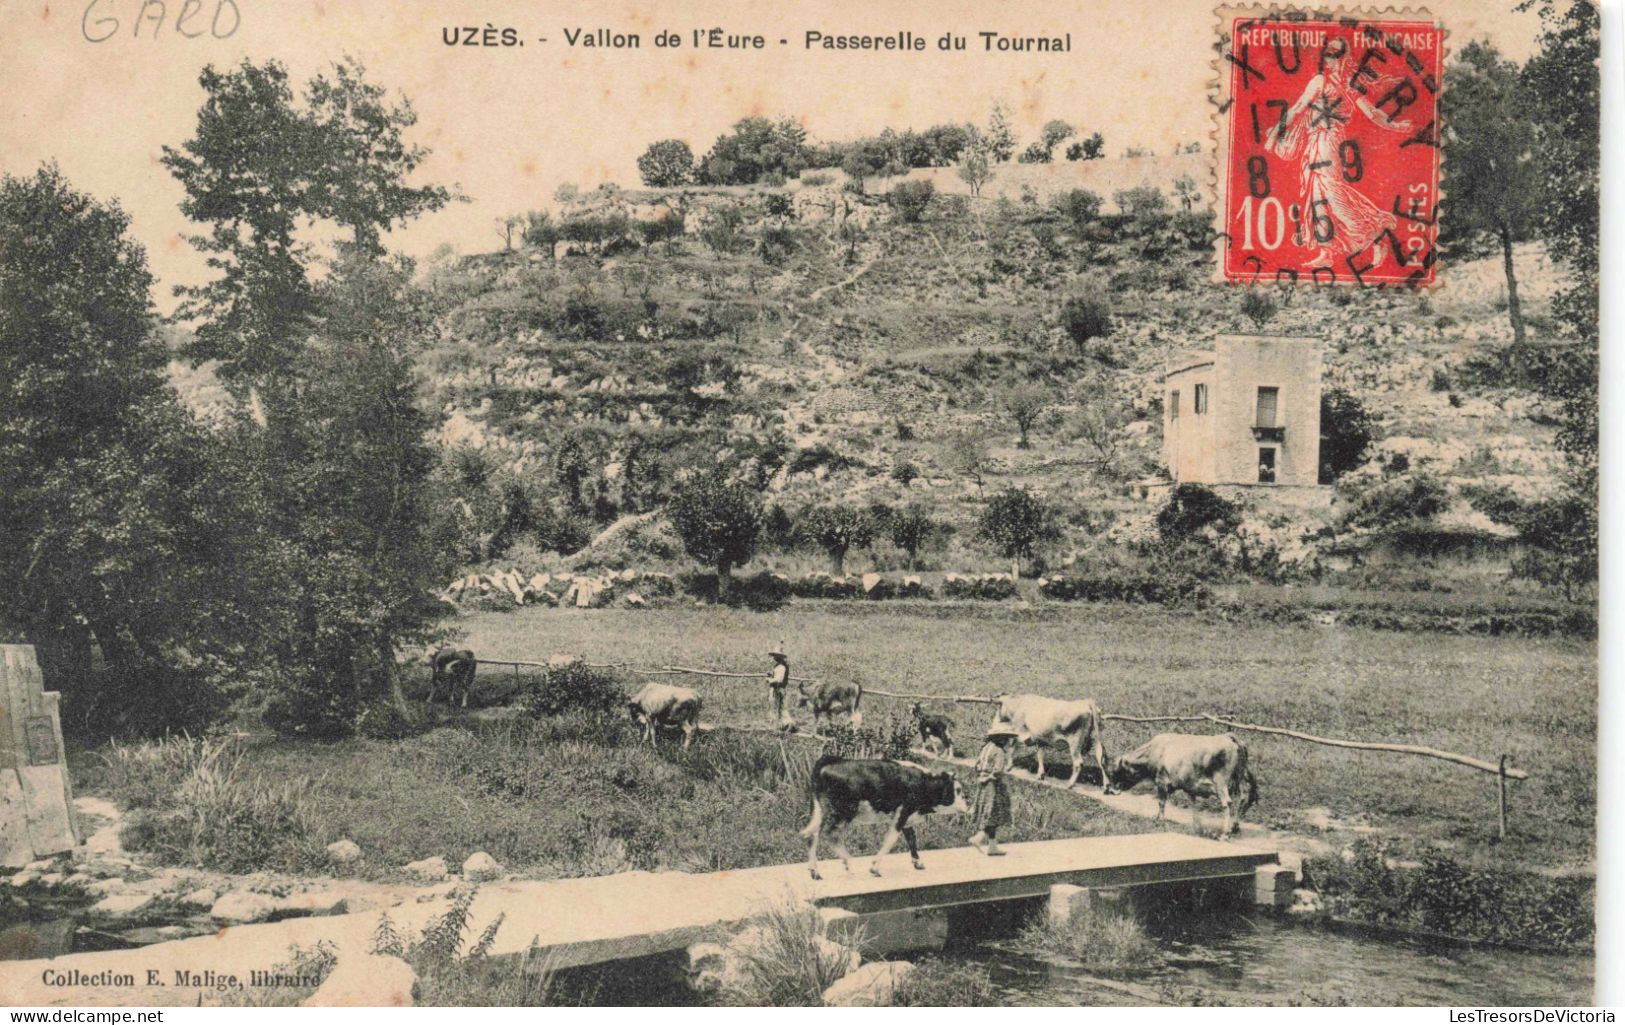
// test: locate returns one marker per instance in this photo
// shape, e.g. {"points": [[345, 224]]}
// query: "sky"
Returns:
{"points": [[508, 125]]}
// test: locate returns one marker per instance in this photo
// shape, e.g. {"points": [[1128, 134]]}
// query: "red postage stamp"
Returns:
{"points": [[1328, 159]]}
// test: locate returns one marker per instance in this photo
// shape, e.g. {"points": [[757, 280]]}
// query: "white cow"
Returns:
{"points": [[1039, 720], [661, 704], [1196, 765]]}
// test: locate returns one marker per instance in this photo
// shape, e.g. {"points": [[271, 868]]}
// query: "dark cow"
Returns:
{"points": [[931, 726], [829, 698], [849, 792], [1198, 765], [455, 668], [663, 705]]}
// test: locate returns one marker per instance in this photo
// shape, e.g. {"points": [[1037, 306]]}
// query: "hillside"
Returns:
{"points": [[815, 340]]}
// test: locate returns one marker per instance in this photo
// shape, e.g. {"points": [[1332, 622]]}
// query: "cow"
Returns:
{"points": [[931, 726], [1198, 765], [830, 697], [1039, 720], [453, 666], [663, 705], [849, 792]]}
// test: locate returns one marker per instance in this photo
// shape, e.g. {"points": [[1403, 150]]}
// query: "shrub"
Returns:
{"points": [[1258, 307], [759, 591], [1194, 508], [991, 587], [1080, 207], [385, 720], [910, 199], [574, 687], [1409, 498], [936, 982], [786, 960], [822, 585]]}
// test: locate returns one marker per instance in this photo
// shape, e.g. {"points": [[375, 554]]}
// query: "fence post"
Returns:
{"points": [[1501, 779]]}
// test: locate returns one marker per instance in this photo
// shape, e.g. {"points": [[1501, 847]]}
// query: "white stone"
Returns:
{"points": [[122, 903], [870, 582], [480, 867], [106, 886], [370, 980], [429, 870], [51, 880], [41, 867], [23, 878], [1305, 902], [343, 852], [242, 906], [873, 985], [199, 898]]}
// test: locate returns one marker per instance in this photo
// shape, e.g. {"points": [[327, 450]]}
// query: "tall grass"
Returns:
{"points": [[197, 801], [1099, 937], [454, 965]]}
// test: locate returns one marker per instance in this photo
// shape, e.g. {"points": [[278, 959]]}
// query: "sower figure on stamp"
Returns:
{"points": [[778, 678], [992, 807]]}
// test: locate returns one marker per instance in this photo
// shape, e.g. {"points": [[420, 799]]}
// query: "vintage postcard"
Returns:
{"points": [[1049, 503]]}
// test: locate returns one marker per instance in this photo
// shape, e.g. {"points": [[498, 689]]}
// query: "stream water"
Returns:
{"points": [[1222, 957], [1238, 959]]}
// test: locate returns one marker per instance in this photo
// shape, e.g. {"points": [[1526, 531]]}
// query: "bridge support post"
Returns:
{"points": [[1067, 902], [1273, 885], [887, 932]]}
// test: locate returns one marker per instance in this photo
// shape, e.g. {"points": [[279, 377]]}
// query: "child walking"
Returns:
{"points": [[992, 808]]}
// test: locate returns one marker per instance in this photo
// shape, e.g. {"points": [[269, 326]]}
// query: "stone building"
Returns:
{"points": [[1245, 413]]}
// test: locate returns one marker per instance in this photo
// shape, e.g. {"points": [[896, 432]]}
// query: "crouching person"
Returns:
{"points": [[991, 811]]}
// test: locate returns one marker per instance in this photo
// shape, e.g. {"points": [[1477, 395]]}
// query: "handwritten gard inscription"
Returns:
{"points": [[105, 20]]}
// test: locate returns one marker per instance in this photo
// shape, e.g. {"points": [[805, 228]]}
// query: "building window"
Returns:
{"points": [[1199, 400], [1266, 466], [1173, 404], [1268, 399]]}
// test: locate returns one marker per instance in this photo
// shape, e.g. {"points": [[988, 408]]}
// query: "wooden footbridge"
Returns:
{"points": [[573, 922]]}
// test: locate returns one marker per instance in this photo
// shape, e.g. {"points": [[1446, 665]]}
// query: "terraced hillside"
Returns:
{"points": [[830, 349]]}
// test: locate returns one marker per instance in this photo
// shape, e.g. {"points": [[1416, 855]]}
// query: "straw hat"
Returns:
{"points": [[999, 729], [777, 650]]}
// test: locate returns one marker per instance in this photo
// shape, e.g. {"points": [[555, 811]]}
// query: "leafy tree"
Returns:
{"points": [[1079, 206], [667, 164], [1000, 137], [911, 529], [1192, 509], [719, 523], [1085, 317], [1025, 402], [118, 518], [1141, 201], [1052, 135], [910, 199], [1346, 431], [724, 232], [1561, 535], [976, 170], [1258, 307], [967, 456], [508, 229], [1396, 501], [1092, 148], [905, 473], [257, 165], [1099, 419], [1015, 524], [1490, 143], [945, 143], [755, 149], [1564, 74], [836, 529], [540, 231]]}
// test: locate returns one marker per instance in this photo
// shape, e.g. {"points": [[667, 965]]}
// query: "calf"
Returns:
{"points": [[661, 704], [1197, 765], [829, 698], [1040, 720], [860, 792], [454, 667], [931, 727]]}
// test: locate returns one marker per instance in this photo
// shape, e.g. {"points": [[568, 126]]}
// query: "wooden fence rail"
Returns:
{"points": [[1499, 769]]}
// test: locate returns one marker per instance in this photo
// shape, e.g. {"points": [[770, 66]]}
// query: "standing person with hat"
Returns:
{"points": [[992, 807], [778, 678]]}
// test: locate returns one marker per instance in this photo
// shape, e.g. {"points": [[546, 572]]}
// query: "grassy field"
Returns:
{"points": [[1531, 698]]}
